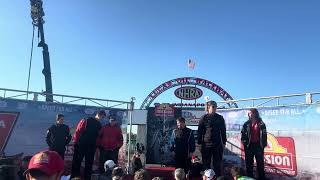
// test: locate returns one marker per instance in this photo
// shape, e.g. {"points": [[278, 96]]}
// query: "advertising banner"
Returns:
{"points": [[7, 122], [293, 139], [23, 124], [159, 129]]}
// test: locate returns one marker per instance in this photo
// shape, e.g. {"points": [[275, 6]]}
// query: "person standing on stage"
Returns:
{"points": [[58, 136], [212, 138], [182, 145], [84, 139], [109, 141], [254, 139]]}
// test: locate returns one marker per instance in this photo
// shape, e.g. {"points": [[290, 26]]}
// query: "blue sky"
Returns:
{"points": [[118, 49]]}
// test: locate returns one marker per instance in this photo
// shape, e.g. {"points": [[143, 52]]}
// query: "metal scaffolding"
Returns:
{"points": [[76, 100]]}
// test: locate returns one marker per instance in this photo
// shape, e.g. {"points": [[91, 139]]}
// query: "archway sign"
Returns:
{"points": [[187, 81]]}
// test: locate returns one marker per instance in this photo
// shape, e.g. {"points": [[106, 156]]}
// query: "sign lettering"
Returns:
{"points": [[188, 93]]}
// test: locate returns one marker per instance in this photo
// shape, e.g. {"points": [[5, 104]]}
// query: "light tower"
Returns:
{"points": [[37, 20]]}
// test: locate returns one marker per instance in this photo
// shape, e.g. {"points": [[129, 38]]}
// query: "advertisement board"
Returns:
{"points": [[23, 124], [293, 138]]}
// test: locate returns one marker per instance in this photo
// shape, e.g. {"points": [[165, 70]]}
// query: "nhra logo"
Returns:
{"points": [[188, 93], [7, 122]]}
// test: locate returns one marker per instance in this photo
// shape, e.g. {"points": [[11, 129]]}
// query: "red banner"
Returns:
{"points": [[280, 156], [7, 122]]}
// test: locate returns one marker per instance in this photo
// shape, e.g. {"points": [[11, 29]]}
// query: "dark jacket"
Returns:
{"points": [[87, 132], [58, 136], [182, 141], [212, 130], [106, 175], [246, 133], [110, 137]]}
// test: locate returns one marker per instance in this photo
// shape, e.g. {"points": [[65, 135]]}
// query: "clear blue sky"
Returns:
{"points": [[121, 48]]}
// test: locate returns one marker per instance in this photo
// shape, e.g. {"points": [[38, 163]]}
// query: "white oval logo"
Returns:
{"points": [[188, 93]]}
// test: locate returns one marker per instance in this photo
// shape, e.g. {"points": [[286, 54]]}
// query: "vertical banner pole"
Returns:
{"points": [[131, 108]]}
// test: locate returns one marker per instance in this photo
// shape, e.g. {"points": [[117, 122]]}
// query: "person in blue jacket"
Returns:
{"points": [[182, 145]]}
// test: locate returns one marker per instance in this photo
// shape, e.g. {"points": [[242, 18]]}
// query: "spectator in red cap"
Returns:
{"points": [[196, 168], [45, 165]]}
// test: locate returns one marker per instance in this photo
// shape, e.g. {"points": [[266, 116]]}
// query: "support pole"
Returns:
{"points": [[131, 108]]}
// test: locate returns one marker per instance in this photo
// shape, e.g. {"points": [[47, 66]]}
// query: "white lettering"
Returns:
{"points": [[286, 161], [3, 104], [267, 159], [22, 105], [2, 124], [277, 160], [188, 93]]}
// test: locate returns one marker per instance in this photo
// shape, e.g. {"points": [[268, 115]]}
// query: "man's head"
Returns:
{"points": [[25, 162], [45, 165], [211, 107], [136, 163], [157, 178], [141, 175], [236, 172], [109, 165], [195, 159], [112, 121], [208, 174], [117, 173], [60, 118], [100, 115], [179, 174], [253, 114], [181, 123]]}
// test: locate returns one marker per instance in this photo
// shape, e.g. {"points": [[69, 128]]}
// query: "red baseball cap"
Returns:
{"points": [[48, 162]]}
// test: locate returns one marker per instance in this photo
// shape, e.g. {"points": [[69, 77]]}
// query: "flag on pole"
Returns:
{"points": [[191, 64]]}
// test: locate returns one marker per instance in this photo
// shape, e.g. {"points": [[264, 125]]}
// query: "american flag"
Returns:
{"points": [[191, 64]]}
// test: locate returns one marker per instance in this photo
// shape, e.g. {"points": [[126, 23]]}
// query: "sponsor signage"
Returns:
{"points": [[188, 90], [280, 156], [189, 104], [7, 122], [164, 110], [188, 93], [192, 117]]}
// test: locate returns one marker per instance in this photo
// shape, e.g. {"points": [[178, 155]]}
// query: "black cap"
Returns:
{"points": [[101, 113], [212, 103]]}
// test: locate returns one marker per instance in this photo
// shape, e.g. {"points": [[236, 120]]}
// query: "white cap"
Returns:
{"points": [[209, 173], [109, 164]]}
